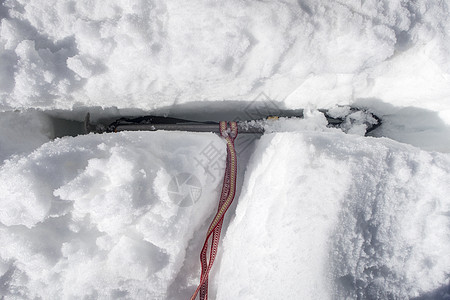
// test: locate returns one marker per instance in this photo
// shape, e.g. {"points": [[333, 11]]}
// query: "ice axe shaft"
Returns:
{"points": [[155, 123], [194, 127]]}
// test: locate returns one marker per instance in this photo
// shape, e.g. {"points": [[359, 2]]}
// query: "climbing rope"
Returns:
{"points": [[226, 198]]}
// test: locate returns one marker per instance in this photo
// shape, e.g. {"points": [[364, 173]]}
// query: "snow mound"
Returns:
{"points": [[139, 54], [335, 216], [104, 206]]}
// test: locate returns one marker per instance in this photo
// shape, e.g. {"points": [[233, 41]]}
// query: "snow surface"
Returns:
{"points": [[325, 216], [91, 216], [322, 214], [140, 54]]}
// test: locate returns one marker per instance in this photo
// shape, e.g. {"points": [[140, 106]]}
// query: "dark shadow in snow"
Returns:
{"points": [[416, 126], [442, 293], [5, 280], [213, 111], [260, 107], [8, 61], [231, 110], [411, 125], [4, 13], [305, 7]]}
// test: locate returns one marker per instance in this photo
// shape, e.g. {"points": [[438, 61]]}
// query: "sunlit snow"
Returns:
{"points": [[319, 213]]}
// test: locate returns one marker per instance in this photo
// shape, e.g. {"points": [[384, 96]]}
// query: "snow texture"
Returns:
{"points": [[331, 216], [147, 55], [91, 216], [322, 214]]}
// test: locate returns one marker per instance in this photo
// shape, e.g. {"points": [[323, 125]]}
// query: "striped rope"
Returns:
{"points": [[226, 198]]}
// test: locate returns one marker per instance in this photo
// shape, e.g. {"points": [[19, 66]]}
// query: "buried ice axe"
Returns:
{"points": [[229, 132], [346, 120]]}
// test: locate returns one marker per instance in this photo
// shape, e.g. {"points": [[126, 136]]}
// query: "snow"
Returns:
{"points": [[148, 55], [375, 209], [98, 205], [319, 214]]}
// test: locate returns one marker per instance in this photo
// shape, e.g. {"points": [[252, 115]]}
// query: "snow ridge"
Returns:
{"points": [[372, 210]]}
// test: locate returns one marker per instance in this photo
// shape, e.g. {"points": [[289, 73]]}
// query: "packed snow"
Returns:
{"points": [[141, 54], [325, 216], [319, 213], [92, 216]]}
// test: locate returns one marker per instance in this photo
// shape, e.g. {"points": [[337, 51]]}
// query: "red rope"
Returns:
{"points": [[226, 198]]}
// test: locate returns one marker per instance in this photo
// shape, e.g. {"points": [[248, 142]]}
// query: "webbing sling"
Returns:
{"points": [[226, 198]]}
